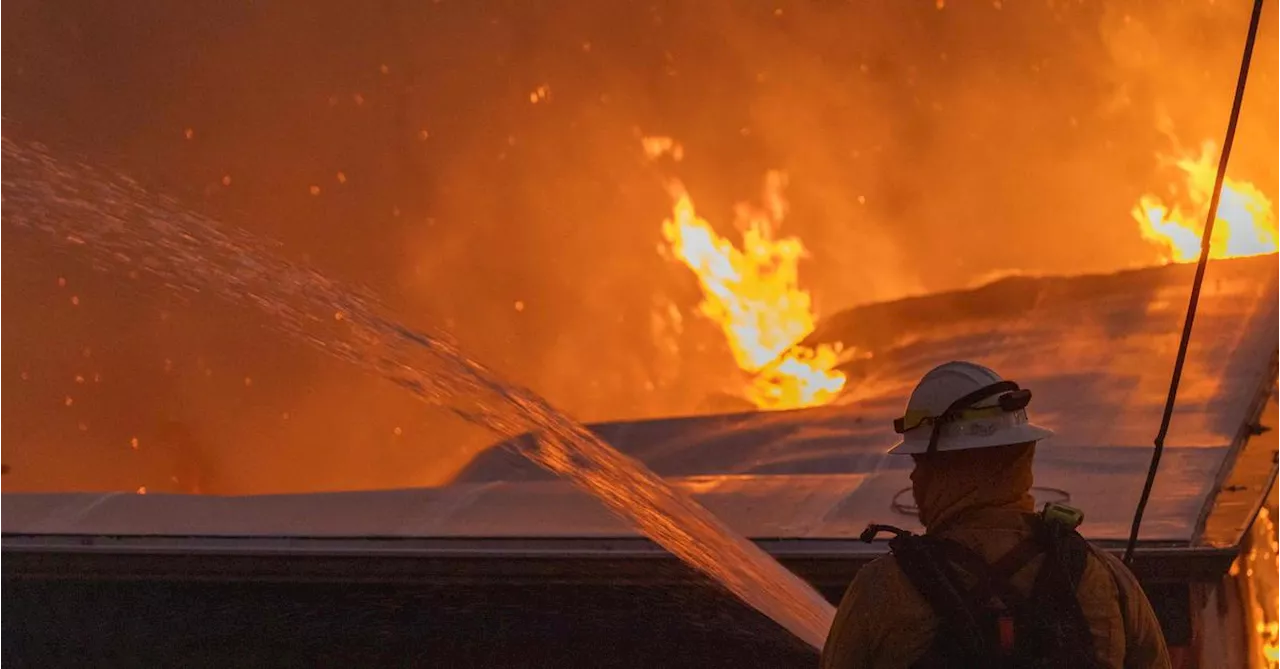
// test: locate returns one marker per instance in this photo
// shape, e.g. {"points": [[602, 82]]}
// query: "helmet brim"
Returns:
{"points": [[1019, 434]]}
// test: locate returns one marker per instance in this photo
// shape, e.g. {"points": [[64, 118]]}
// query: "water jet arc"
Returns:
{"points": [[117, 223]]}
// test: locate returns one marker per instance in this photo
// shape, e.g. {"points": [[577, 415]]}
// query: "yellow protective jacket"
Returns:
{"points": [[982, 502]]}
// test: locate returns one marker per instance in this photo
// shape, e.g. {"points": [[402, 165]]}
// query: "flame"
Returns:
{"points": [[753, 294], [1260, 589], [1245, 224]]}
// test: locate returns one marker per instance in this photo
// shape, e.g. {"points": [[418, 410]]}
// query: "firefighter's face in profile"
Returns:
{"points": [[922, 477]]}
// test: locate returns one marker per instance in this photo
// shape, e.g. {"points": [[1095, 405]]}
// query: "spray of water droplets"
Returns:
{"points": [[118, 224]]}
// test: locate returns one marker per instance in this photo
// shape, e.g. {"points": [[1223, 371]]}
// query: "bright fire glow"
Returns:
{"points": [[753, 294], [1245, 225], [1261, 590]]}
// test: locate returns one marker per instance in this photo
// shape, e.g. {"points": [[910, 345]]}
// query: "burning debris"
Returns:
{"points": [[753, 294], [1246, 223]]}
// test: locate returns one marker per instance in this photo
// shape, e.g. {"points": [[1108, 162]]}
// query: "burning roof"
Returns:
{"points": [[753, 292], [1094, 349]]}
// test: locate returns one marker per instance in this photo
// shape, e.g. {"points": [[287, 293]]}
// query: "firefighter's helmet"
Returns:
{"points": [[960, 406]]}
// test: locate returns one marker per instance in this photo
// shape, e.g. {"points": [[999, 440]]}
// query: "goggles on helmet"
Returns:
{"points": [[1010, 399]]}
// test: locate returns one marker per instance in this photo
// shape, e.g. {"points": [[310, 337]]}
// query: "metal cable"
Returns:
{"points": [[1205, 243]]}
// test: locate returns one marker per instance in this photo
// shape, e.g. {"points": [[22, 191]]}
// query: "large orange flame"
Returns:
{"points": [[1245, 225], [753, 294]]}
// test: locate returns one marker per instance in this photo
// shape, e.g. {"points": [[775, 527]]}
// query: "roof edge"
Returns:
{"points": [[1247, 475], [462, 560]]}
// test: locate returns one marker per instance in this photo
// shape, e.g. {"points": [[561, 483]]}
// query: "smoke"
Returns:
{"points": [[1175, 66], [479, 165]]}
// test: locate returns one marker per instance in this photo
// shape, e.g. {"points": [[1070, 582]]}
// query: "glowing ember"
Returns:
{"points": [[753, 294], [1245, 226]]}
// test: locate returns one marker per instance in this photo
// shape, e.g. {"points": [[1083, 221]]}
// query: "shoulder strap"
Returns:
{"points": [[918, 557], [1122, 593], [1006, 608], [1048, 622], [993, 580], [1051, 612], [1066, 555], [1056, 586]]}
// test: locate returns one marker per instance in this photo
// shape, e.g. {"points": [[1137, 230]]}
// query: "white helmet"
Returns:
{"points": [[960, 406]]}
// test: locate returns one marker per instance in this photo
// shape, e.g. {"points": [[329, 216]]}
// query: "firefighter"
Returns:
{"points": [[991, 583]]}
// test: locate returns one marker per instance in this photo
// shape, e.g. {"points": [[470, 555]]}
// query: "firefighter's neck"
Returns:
{"points": [[957, 488]]}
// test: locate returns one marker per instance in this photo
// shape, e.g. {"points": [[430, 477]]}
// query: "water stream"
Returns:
{"points": [[118, 224]]}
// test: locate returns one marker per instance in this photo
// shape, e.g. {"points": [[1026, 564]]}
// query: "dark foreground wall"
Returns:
{"points": [[562, 612], [290, 624], [170, 623]]}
